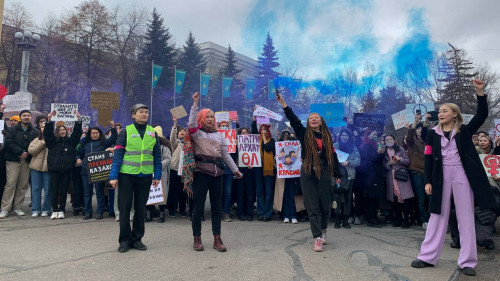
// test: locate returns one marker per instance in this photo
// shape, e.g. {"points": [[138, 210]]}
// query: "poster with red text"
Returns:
{"points": [[491, 164], [230, 137], [249, 151], [288, 160]]}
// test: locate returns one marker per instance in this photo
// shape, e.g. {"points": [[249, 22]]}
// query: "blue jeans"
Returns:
{"points": [[228, 186], [99, 192], [264, 187], [39, 181], [418, 184], [289, 210]]}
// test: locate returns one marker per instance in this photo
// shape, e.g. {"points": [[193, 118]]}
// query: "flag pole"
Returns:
{"points": [[175, 81], [152, 81], [222, 81], [200, 89]]}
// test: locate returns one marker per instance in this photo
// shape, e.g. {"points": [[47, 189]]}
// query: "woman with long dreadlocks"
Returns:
{"points": [[209, 150], [320, 164]]}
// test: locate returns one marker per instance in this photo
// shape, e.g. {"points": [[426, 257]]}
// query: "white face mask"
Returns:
{"points": [[224, 128], [389, 143]]}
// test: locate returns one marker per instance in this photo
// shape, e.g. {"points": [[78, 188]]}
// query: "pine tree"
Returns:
{"points": [[192, 61], [237, 86], [268, 61], [458, 87]]}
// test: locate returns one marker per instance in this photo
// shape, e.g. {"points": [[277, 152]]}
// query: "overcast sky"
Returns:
{"points": [[321, 36]]}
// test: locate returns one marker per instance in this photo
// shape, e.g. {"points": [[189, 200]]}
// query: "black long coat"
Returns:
{"points": [[470, 161]]}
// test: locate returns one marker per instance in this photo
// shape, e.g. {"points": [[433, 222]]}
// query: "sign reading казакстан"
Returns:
{"points": [[99, 165]]}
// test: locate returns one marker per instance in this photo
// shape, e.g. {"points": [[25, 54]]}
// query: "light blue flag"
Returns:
{"points": [[333, 113], [205, 79], [271, 94], [179, 80], [226, 86], [156, 74], [250, 88]]}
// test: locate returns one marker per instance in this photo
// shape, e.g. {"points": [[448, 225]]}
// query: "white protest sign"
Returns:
{"points": [[249, 151], [179, 112], [262, 120], [415, 108], [2, 126], [400, 119], [288, 124], [16, 102], [261, 111], [222, 116], [342, 156], [497, 126], [491, 164], [64, 111], [288, 160], [181, 163], [467, 118], [70, 125], [156, 195]]}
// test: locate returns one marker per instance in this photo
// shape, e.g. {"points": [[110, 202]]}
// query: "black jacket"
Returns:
{"points": [[17, 141], [300, 132], [370, 174], [62, 151], [91, 146], [470, 161]]}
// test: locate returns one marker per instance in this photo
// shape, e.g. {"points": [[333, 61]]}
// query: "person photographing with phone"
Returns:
{"points": [[451, 164]]}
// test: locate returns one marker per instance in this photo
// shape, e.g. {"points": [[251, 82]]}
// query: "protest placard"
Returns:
{"points": [[332, 113], [104, 100], [288, 160], [491, 164], [222, 116], [179, 112], [64, 111], [233, 115], [156, 195], [104, 116], [230, 137], [261, 111], [262, 120], [364, 121], [414, 108], [99, 165], [70, 125], [467, 118], [342, 156], [497, 126], [16, 102], [400, 119], [249, 151], [2, 126]]}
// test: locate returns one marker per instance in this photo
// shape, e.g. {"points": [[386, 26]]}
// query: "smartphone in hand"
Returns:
{"points": [[278, 95]]}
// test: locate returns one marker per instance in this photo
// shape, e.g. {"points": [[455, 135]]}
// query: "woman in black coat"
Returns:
{"points": [[60, 161]]}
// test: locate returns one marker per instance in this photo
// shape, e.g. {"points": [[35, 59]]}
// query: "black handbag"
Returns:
{"points": [[401, 174]]}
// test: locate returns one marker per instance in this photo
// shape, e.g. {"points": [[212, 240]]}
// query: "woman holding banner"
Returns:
{"points": [[209, 149], [94, 142], [60, 161], [320, 165], [451, 163]]}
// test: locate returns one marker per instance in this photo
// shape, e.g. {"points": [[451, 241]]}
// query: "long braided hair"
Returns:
{"points": [[312, 159]]}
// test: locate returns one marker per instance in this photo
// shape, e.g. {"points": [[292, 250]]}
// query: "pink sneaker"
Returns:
{"points": [[323, 237], [318, 245]]}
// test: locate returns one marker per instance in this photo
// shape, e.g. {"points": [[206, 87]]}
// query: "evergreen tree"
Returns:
{"points": [[268, 61], [368, 102], [458, 87], [192, 61], [237, 86]]}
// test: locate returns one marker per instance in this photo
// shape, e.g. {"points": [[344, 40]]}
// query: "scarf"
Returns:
{"points": [[188, 164], [391, 152], [267, 160]]}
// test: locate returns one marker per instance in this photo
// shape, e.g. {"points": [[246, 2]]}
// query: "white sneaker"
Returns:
{"points": [[3, 214], [60, 215], [318, 245], [54, 215], [350, 220], [286, 220], [45, 214], [117, 217], [424, 225], [357, 221], [294, 221], [19, 213], [35, 214], [131, 218]]}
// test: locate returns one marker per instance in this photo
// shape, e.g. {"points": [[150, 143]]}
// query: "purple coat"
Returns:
{"points": [[404, 186]]}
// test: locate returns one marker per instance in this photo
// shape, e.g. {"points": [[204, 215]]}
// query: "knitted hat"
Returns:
{"points": [[24, 111], [15, 118]]}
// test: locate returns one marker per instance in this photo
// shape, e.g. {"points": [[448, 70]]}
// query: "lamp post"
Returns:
{"points": [[27, 42]]}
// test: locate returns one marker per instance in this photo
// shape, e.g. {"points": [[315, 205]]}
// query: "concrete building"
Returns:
{"points": [[215, 55]]}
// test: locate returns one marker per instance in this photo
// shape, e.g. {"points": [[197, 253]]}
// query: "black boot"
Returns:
{"points": [[337, 221], [149, 216], [345, 223], [162, 217], [332, 215]]}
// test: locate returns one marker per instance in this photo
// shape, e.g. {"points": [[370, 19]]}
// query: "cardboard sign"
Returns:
{"points": [[467, 118], [156, 195], [491, 164], [99, 165], [332, 113], [261, 111], [362, 121], [222, 116], [104, 100], [179, 112], [16, 102], [230, 137], [104, 117], [2, 126], [249, 151], [400, 119], [287, 158], [64, 111], [233, 115], [342, 156]]}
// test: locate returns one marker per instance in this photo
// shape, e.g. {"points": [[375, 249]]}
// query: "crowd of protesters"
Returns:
{"points": [[384, 182]]}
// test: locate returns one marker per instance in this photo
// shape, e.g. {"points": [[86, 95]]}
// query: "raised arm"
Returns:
{"points": [[482, 108], [193, 114]]}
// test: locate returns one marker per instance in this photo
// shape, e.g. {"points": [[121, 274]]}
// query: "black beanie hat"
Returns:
{"points": [[24, 111]]}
